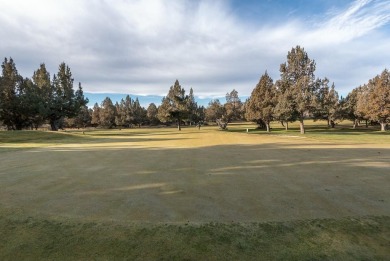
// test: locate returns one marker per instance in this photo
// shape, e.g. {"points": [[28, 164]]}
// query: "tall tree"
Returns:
{"points": [[260, 106], [65, 101], [95, 115], [328, 106], [192, 107], [285, 106], [151, 114], [44, 92], [107, 113], [233, 106], [374, 99], [83, 118], [214, 110], [297, 75], [11, 88], [139, 113], [174, 105]]}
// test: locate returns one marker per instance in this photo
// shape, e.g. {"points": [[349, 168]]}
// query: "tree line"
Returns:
{"points": [[28, 103], [296, 96]]}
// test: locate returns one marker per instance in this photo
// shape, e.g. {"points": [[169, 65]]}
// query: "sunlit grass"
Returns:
{"points": [[161, 194]]}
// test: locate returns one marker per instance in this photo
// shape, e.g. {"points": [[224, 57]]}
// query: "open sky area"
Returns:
{"points": [[141, 47]]}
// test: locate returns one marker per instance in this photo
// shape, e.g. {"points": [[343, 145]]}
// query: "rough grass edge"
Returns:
{"points": [[363, 238]]}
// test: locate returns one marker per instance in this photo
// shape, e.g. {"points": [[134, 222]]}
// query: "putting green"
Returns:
{"points": [[162, 175]]}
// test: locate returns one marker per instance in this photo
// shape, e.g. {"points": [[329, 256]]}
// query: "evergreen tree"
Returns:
{"points": [[297, 79], [192, 107], [233, 107], [11, 89], [374, 99], [43, 95], [328, 106], [284, 110], [95, 115], [127, 112], [107, 113], [174, 105], [260, 106], [65, 101], [214, 110], [151, 114], [139, 113], [83, 118], [348, 107]]}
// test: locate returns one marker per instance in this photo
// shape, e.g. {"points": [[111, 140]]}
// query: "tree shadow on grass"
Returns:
{"points": [[224, 183]]}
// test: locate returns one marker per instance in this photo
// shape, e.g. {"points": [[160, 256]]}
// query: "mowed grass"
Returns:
{"points": [[160, 194]]}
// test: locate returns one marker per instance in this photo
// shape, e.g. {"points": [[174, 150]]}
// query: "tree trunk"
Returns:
{"points": [[286, 127], [329, 123], [53, 125], [366, 123], [281, 122], [178, 125], [268, 127], [302, 126], [383, 126], [332, 124], [355, 123]]}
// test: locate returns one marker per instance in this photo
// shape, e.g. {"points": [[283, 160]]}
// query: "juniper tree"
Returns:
{"points": [[107, 113], [174, 106], [65, 102], [151, 114], [260, 105], [10, 89], [374, 99], [95, 115], [298, 92], [327, 102], [214, 110]]}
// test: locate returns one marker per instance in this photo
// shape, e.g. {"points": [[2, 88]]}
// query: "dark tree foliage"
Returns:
{"points": [[328, 105], [65, 101], [12, 88], [29, 103], [107, 114], [192, 107], [260, 106], [174, 106], [233, 107], [297, 94], [151, 114]]}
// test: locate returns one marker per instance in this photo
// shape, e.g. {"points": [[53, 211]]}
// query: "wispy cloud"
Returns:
{"points": [[142, 46]]}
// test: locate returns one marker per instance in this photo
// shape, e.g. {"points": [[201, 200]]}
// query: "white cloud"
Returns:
{"points": [[142, 46]]}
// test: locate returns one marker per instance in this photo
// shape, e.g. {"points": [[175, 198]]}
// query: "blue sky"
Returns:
{"points": [[141, 47]]}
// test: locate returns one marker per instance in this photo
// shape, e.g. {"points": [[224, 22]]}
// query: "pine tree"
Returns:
{"points": [[65, 102], [298, 91], [260, 106], [43, 92], [328, 106], [192, 106], [107, 113], [374, 99], [233, 107], [151, 114], [174, 105], [95, 115], [214, 110], [139, 113], [11, 85]]}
